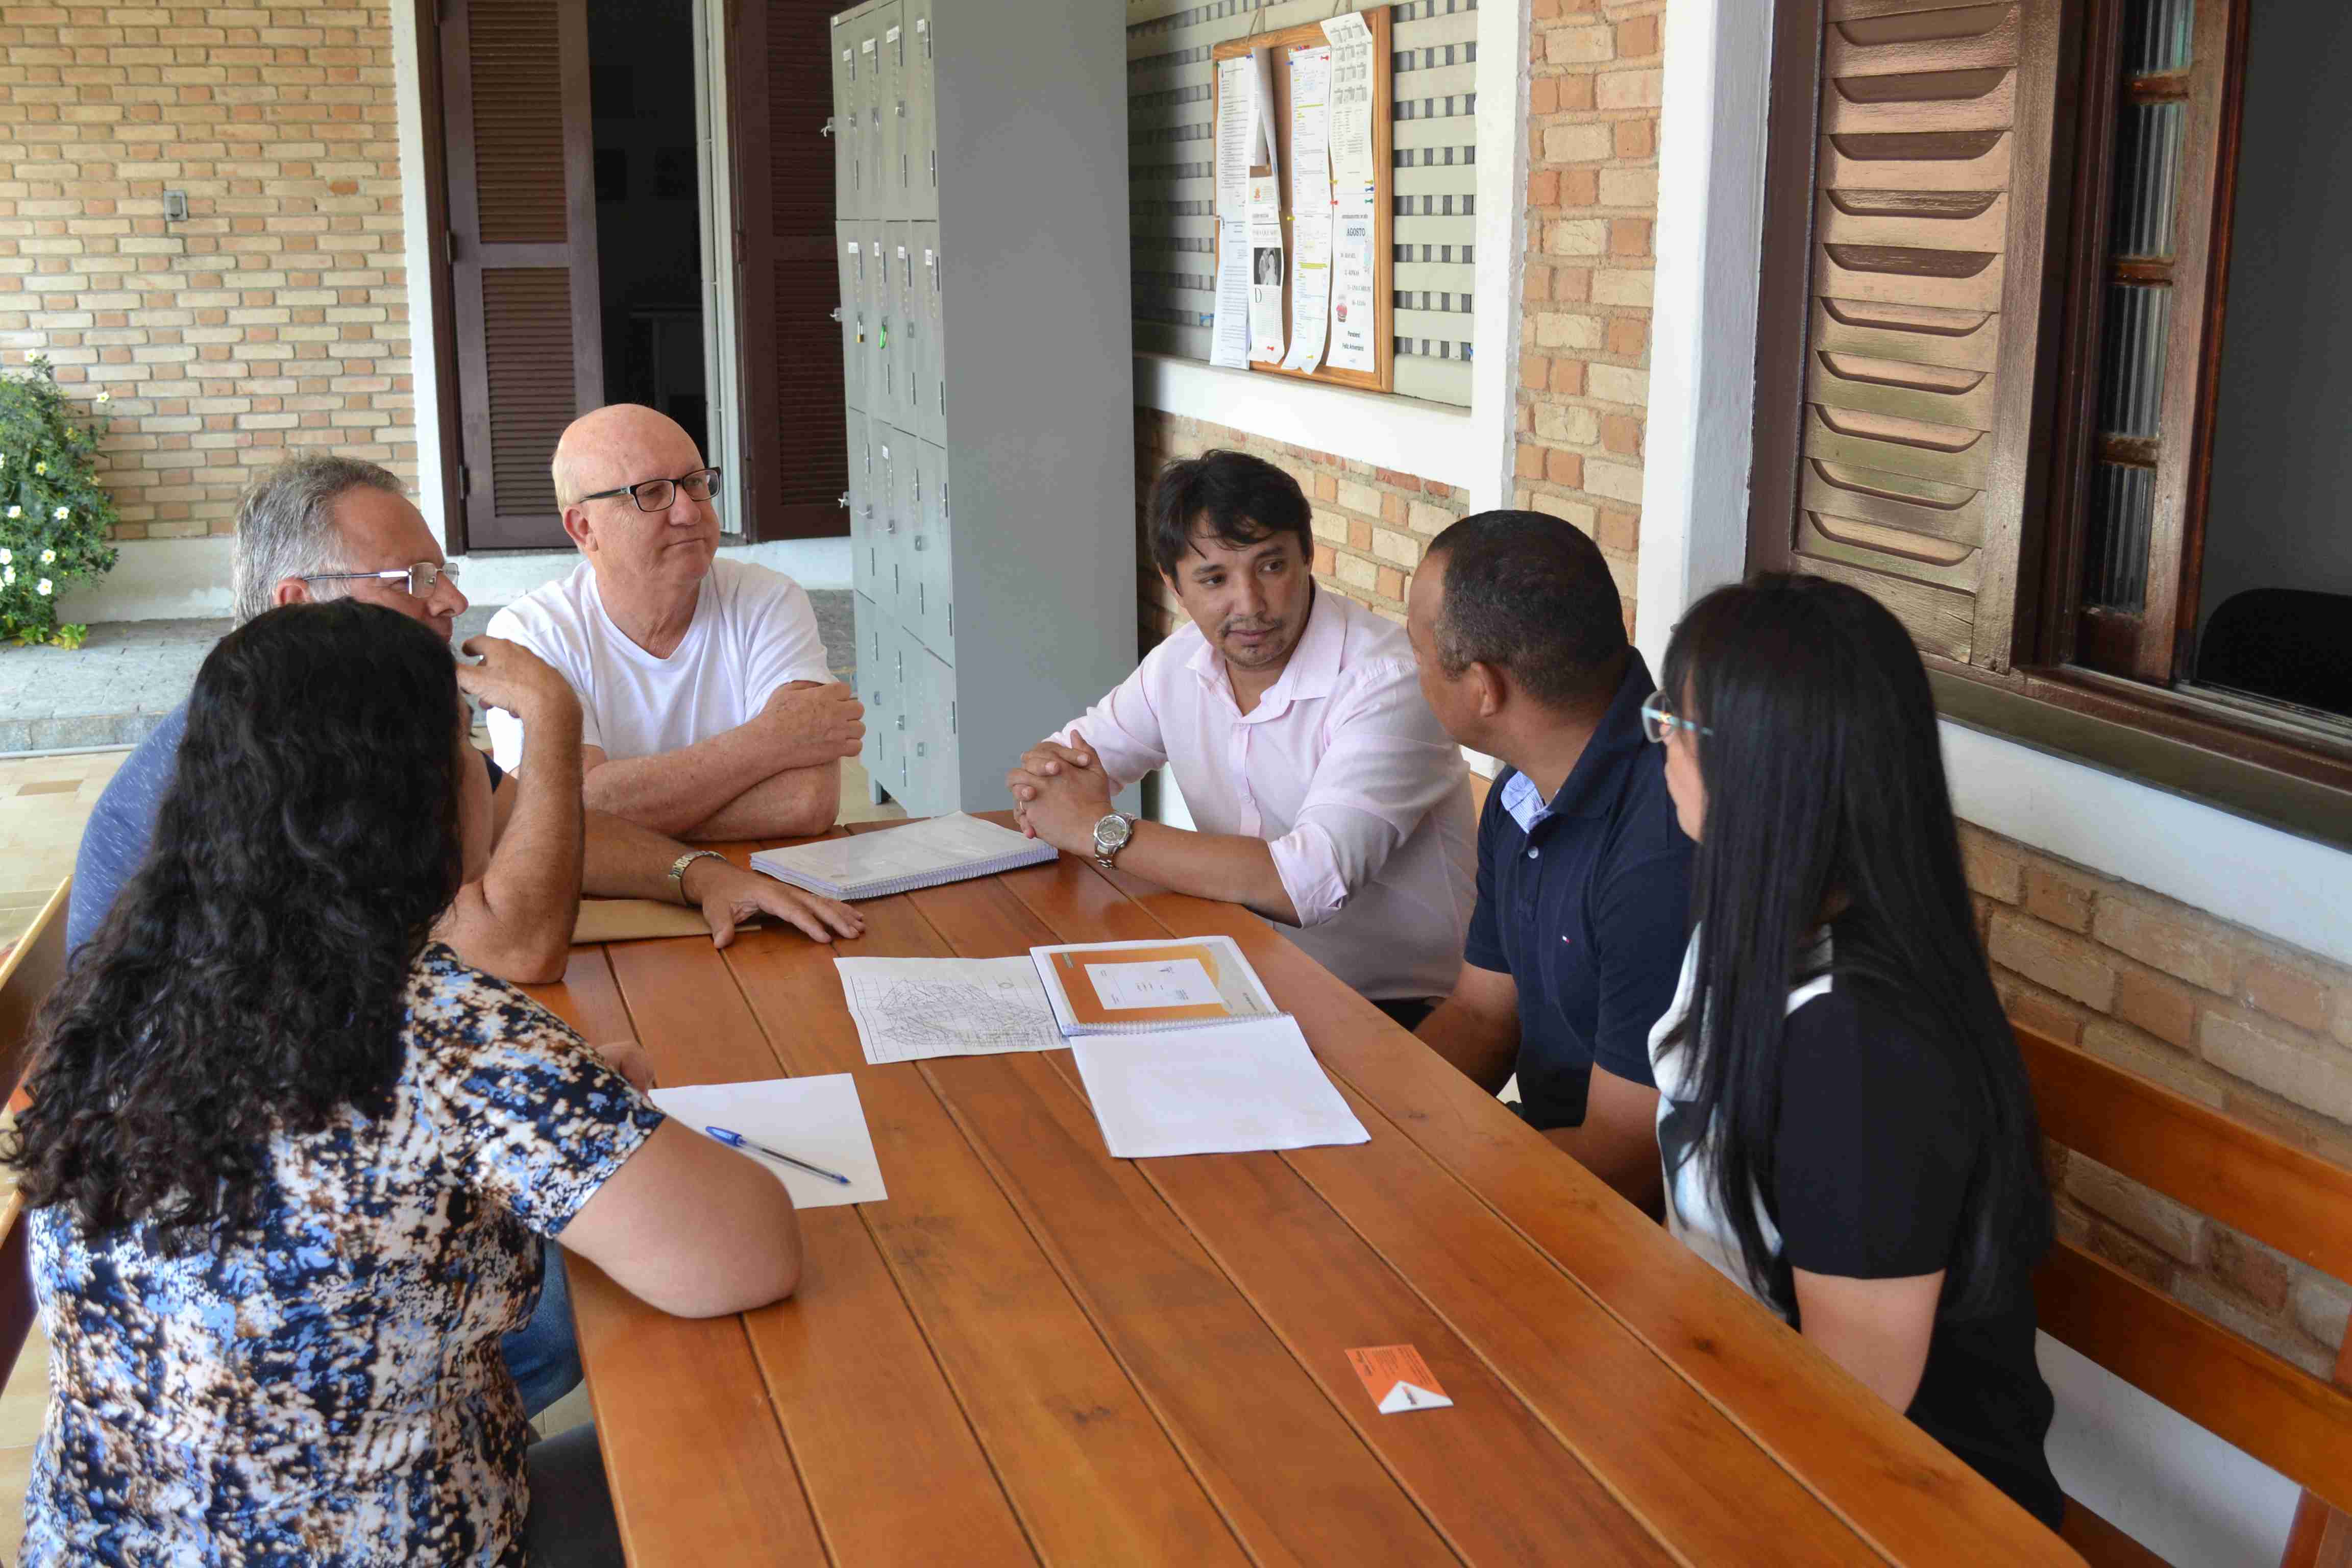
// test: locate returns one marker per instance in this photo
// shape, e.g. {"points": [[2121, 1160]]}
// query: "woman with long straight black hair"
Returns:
{"points": [[1845, 1124], [290, 1159]]}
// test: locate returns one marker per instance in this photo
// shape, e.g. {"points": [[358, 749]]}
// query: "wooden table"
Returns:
{"points": [[1034, 1352]]}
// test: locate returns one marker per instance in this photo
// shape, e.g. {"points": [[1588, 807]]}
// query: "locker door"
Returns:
{"points": [[880, 152], [931, 417], [888, 343], [864, 526], [907, 474], [932, 557], [845, 85], [877, 657], [923, 114], [913, 327], [890, 36], [932, 725], [851, 258], [890, 451]]}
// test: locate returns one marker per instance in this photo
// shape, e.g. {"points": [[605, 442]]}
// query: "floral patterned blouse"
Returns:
{"points": [[325, 1388]]}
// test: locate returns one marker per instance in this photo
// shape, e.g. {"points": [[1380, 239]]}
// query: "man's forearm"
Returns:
{"points": [[1224, 866], [675, 791], [795, 804], [1483, 1048], [1618, 1139]]}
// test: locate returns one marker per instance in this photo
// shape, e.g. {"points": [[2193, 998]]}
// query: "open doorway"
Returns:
{"points": [[642, 94]]}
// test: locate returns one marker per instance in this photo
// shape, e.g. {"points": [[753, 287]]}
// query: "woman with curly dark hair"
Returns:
{"points": [[290, 1159]]}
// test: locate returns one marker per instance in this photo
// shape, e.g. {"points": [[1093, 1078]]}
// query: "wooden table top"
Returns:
{"points": [[1034, 1353]]}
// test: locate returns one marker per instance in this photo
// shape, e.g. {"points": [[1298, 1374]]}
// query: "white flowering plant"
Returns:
{"points": [[54, 516]]}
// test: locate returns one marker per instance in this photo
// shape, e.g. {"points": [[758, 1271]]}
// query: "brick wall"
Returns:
{"points": [[277, 314], [1372, 524], [1592, 198], [2236, 1020]]}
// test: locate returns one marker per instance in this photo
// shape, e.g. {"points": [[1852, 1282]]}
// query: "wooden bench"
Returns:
{"points": [[2279, 1194], [29, 973]]}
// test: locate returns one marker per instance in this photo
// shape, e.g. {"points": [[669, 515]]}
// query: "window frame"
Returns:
{"points": [[2264, 764]]}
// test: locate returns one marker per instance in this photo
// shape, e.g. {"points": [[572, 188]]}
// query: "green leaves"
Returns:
{"points": [[54, 515]]}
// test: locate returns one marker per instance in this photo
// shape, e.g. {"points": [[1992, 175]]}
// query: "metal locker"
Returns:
{"points": [[935, 615], [889, 450], [882, 374], [865, 520], [928, 764], [912, 331], [848, 197], [879, 689], [923, 114], [906, 475], [878, 154], [850, 255], [895, 123], [930, 416]]}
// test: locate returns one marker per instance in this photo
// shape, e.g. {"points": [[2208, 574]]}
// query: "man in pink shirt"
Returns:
{"points": [[1325, 796]]}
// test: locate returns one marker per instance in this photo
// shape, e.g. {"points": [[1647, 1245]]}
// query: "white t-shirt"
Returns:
{"points": [[753, 631]]}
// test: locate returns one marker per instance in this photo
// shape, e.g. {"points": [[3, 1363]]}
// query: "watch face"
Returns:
{"points": [[1112, 832]]}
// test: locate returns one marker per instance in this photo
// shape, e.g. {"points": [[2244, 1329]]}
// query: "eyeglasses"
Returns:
{"points": [[1657, 719], [657, 495], [419, 580]]}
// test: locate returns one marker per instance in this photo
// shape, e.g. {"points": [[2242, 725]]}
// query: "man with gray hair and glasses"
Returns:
{"points": [[326, 527]]}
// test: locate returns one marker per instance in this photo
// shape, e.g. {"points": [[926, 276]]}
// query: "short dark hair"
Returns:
{"points": [[1232, 497], [1529, 593]]}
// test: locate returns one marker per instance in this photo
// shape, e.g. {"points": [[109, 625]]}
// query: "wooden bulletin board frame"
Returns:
{"points": [[1383, 377]]}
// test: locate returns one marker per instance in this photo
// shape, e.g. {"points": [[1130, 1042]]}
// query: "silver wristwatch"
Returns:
{"points": [[678, 869], [1111, 835]]}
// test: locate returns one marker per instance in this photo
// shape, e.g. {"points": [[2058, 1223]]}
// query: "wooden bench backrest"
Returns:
{"points": [[2273, 1192], [27, 975]]}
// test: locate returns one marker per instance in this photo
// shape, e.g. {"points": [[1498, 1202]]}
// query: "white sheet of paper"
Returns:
{"points": [[1225, 1088], [1237, 135], [1310, 129], [1353, 345], [814, 1119], [1351, 112], [1267, 264], [1178, 983], [1310, 290], [910, 1008], [1230, 345], [1263, 149]]}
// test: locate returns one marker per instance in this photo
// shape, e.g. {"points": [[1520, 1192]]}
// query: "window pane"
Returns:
{"points": [[2116, 563], [2156, 34], [2131, 376], [2147, 177]]}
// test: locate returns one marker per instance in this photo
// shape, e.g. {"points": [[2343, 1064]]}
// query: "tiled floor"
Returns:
{"points": [[44, 802]]}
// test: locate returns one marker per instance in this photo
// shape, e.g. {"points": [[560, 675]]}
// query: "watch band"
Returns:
{"points": [[677, 867], [1105, 858]]}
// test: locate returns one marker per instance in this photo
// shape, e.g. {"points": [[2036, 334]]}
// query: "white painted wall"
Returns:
{"points": [[2170, 1483]]}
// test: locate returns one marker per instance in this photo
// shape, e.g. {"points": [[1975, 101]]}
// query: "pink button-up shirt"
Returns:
{"points": [[1342, 768]]}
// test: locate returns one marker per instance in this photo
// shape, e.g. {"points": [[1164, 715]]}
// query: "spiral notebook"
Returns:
{"points": [[921, 855], [1146, 987]]}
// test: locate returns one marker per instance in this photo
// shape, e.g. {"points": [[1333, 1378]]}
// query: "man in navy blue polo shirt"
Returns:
{"points": [[1583, 876]]}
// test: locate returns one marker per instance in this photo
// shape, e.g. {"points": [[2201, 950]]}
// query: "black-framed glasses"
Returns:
{"points": [[1657, 719], [659, 495], [419, 579]]}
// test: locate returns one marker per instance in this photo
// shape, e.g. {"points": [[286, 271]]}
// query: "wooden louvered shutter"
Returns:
{"points": [[794, 439], [1920, 317], [522, 242]]}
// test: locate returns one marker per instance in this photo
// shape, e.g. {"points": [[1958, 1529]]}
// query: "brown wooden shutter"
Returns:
{"points": [[1916, 312], [522, 238], [794, 434]]}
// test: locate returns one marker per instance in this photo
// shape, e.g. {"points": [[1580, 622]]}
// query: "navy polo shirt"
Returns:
{"points": [[1584, 901]]}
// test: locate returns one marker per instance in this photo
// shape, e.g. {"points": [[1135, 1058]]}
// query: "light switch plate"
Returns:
{"points": [[175, 206]]}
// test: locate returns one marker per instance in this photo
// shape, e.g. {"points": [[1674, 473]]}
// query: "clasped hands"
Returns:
{"points": [[1059, 793]]}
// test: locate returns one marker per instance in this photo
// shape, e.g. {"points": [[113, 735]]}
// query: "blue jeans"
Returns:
{"points": [[542, 1354]]}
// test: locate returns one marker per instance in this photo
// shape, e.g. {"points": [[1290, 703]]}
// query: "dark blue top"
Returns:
{"points": [[114, 841], [1584, 901]]}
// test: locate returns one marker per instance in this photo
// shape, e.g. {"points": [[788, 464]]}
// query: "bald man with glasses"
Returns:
{"points": [[707, 707]]}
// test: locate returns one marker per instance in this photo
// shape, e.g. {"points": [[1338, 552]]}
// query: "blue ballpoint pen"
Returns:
{"points": [[737, 1140]]}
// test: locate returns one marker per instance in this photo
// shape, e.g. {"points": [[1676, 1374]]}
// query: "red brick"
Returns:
{"points": [[1437, 489], [2039, 1011], [1359, 535], [1628, 335], [2293, 995], [1327, 488], [1535, 371], [1629, 236], [2163, 1008], [1636, 138], [1568, 378], [1564, 468], [1529, 462], [1390, 583], [1392, 509], [1618, 530], [2252, 1269], [1410, 483], [1575, 93], [2060, 897], [1543, 95], [1571, 285], [1579, 187], [1535, 285], [1543, 188], [1327, 561], [2066, 963], [1636, 37], [1621, 432]]}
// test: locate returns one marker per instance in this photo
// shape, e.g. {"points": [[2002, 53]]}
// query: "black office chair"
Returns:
{"points": [[2290, 645]]}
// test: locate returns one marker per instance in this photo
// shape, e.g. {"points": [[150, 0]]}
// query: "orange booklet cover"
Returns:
{"points": [[1132, 987]]}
